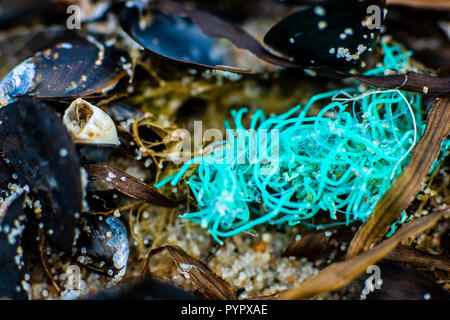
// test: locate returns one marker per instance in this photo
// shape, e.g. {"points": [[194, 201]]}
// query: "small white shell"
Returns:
{"points": [[87, 123]]}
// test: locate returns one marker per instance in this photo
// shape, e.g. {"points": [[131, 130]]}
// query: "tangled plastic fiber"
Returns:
{"points": [[339, 162]]}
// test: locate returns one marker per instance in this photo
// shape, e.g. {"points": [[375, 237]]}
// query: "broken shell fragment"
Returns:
{"points": [[89, 124]]}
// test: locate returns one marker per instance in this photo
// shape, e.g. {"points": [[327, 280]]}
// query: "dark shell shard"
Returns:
{"points": [[333, 34], [103, 244], [41, 151], [74, 68], [12, 220]]}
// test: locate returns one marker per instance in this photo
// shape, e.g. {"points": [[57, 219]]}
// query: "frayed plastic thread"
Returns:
{"points": [[341, 161]]}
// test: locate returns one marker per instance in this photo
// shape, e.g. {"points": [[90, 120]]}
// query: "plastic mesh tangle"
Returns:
{"points": [[339, 162]]}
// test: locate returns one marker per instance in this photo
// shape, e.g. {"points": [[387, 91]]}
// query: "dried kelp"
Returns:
{"points": [[315, 244], [410, 81], [209, 285], [339, 274], [129, 185], [412, 255]]}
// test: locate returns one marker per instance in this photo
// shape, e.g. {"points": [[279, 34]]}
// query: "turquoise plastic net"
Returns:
{"points": [[338, 163]]}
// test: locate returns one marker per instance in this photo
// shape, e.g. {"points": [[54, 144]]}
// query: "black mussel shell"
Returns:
{"points": [[403, 283], [79, 66], [174, 37], [178, 38], [35, 142], [12, 223], [103, 244], [334, 34]]}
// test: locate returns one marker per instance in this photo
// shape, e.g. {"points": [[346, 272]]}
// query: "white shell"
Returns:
{"points": [[87, 123]]}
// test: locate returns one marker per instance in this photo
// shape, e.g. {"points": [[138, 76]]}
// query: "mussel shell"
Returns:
{"points": [[174, 37], [330, 34], [103, 244], [40, 150], [78, 66]]}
